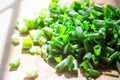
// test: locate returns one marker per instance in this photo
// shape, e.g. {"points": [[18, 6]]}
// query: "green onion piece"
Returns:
{"points": [[79, 33], [109, 49], [87, 56], [27, 43], [38, 52], [44, 51], [31, 23], [97, 50], [42, 40], [86, 45], [58, 59], [32, 33], [69, 62], [36, 37], [114, 56], [66, 48], [118, 43], [115, 36], [86, 65], [98, 7], [22, 28], [14, 63], [15, 39], [95, 60], [86, 25], [48, 31], [110, 74], [93, 73], [32, 51], [31, 72], [75, 65], [118, 65], [118, 32], [61, 66]]}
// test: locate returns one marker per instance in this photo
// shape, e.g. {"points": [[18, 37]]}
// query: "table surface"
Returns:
{"points": [[14, 10]]}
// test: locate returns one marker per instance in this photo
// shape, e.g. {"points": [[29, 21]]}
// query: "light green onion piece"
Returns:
{"points": [[32, 51], [15, 39], [14, 63], [22, 28], [38, 52], [31, 72], [42, 40], [48, 31], [27, 43]]}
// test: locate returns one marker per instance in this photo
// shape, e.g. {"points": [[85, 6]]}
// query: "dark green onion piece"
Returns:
{"points": [[59, 67], [86, 45], [118, 65], [66, 48], [109, 49], [69, 62], [79, 32], [75, 65], [114, 56], [98, 7], [86, 65], [93, 73], [111, 74], [87, 56], [95, 60]]}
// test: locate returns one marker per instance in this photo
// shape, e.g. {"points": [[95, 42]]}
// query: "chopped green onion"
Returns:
{"points": [[27, 43], [15, 39]]}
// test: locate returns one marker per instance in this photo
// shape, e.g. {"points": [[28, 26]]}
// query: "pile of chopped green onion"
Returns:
{"points": [[82, 34]]}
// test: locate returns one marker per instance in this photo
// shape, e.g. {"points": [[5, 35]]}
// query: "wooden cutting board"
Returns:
{"points": [[10, 12]]}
